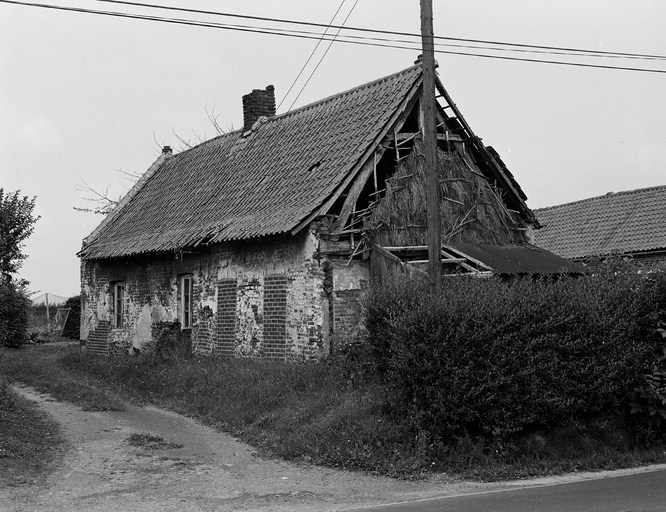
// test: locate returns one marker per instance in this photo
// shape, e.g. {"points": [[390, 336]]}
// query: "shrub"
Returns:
{"points": [[490, 358], [73, 326], [648, 407], [14, 305]]}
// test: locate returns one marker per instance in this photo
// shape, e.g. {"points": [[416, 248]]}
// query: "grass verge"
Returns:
{"points": [[317, 413], [39, 366], [29, 440]]}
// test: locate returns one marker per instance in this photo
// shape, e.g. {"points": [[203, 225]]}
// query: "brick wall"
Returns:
{"points": [[98, 340], [350, 285], [348, 316], [226, 317], [257, 104], [652, 261], [638, 261]]}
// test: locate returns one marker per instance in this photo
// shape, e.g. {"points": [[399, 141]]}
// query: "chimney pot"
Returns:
{"points": [[259, 103], [167, 150]]}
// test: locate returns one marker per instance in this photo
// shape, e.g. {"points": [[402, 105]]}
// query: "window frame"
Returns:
{"points": [[186, 301], [118, 304]]}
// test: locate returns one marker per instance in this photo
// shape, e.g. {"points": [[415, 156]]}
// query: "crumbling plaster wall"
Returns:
{"points": [[149, 298], [302, 307], [296, 310]]}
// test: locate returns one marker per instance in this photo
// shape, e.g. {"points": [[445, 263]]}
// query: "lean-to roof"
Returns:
{"points": [[518, 259], [622, 222], [240, 186]]}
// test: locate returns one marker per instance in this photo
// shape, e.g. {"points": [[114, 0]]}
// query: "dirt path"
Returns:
{"points": [[102, 472]]}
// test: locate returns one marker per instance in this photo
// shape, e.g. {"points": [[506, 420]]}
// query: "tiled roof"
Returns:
{"points": [[622, 222], [234, 187]]}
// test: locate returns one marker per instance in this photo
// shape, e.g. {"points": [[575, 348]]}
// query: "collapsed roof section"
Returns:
{"points": [[471, 259]]}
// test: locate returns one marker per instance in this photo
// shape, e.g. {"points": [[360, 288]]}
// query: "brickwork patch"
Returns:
{"points": [[227, 291], [98, 339]]}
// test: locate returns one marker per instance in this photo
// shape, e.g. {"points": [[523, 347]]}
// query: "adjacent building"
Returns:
{"points": [[629, 225]]}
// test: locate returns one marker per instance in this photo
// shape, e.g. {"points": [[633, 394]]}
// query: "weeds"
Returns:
{"points": [[29, 439], [151, 442], [40, 369], [323, 413]]}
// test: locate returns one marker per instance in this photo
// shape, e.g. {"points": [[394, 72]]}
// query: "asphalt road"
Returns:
{"points": [[641, 492]]}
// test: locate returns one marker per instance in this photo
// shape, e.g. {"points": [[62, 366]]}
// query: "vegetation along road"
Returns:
{"points": [[147, 459]]}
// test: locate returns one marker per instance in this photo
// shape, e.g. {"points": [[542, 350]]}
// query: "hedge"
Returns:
{"points": [[487, 357]]}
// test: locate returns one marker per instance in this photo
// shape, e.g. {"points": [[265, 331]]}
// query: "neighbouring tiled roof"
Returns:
{"points": [[622, 222], [234, 187]]}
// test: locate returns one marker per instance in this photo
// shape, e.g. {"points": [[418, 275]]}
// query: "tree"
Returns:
{"points": [[16, 225]]}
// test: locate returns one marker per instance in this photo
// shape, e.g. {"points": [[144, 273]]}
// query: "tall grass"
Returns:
{"points": [[29, 440], [305, 411], [326, 413]]}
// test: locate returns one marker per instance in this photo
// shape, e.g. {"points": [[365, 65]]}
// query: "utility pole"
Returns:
{"points": [[430, 143]]}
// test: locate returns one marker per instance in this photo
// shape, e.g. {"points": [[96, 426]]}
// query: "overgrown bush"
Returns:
{"points": [[648, 407], [72, 328], [14, 305], [489, 358]]}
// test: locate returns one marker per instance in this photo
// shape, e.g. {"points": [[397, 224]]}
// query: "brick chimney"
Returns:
{"points": [[257, 104]]}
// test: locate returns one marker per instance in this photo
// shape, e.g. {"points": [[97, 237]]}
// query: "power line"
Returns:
{"points": [[377, 31], [322, 57], [309, 58], [363, 42]]}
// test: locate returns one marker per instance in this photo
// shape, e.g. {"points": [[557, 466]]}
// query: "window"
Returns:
{"points": [[186, 287], [118, 291]]}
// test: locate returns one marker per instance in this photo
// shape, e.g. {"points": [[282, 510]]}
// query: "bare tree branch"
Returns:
{"points": [[213, 119], [184, 143], [102, 198]]}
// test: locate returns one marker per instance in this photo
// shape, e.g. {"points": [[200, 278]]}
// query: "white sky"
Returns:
{"points": [[83, 96]]}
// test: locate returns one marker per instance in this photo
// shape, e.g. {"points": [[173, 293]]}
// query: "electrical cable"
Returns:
{"points": [[309, 58], [378, 31], [322, 57], [306, 36]]}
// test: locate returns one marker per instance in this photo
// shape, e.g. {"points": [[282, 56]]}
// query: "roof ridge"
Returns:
{"points": [[304, 107], [208, 142], [343, 93], [603, 196]]}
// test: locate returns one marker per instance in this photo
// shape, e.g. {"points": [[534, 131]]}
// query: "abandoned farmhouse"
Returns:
{"points": [[262, 242]]}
